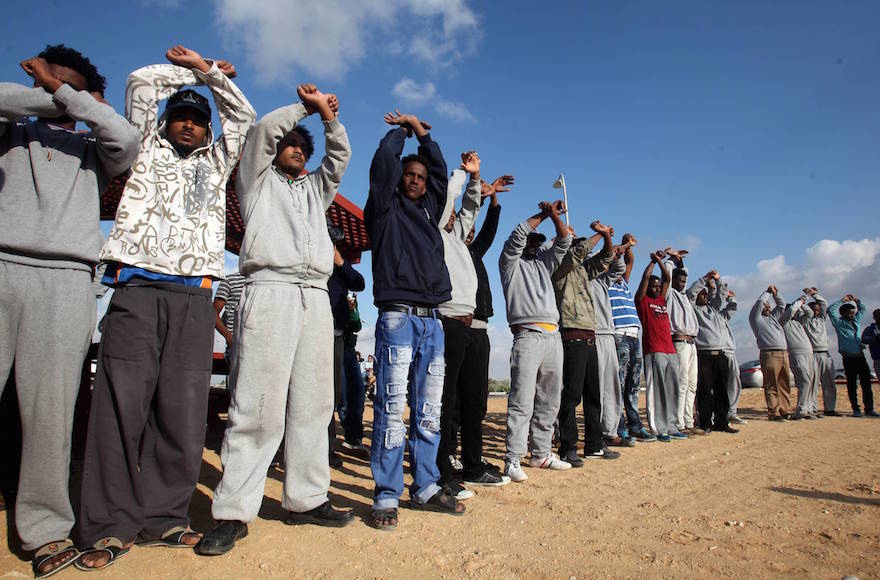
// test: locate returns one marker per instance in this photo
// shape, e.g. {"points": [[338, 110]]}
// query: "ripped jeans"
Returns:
{"points": [[409, 368]]}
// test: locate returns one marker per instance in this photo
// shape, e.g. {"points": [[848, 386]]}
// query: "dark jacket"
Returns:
{"points": [[478, 248], [408, 261], [344, 279], [871, 337]]}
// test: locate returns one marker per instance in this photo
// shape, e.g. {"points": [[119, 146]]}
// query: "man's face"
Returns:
{"points": [[766, 310], [848, 314], [291, 160], [187, 129], [702, 298], [450, 222], [654, 288], [817, 310], [414, 181], [679, 281], [470, 237], [877, 316]]}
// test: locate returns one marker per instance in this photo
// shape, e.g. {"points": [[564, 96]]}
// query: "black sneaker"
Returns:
{"points": [[335, 460], [222, 538], [603, 453], [458, 491], [488, 478], [571, 456], [323, 515]]}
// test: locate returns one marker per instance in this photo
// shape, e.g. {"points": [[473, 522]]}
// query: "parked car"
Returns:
{"points": [[753, 378]]}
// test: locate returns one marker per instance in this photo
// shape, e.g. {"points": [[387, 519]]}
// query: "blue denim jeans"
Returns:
{"points": [[409, 366], [629, 354]]}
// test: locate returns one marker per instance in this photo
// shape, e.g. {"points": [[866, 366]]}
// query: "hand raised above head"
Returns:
{"points": [[600, 228], [630, 239], [185, 57], [502, 183], [470, 162], [38, 69], [226, 68]]}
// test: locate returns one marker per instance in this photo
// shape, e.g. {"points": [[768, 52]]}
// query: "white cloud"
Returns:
{"points": [[413, 93], [834, 267], [324, 38]]}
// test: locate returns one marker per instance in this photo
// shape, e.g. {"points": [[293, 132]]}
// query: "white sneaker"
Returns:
{"points": [[549, 462], [513, 470]]}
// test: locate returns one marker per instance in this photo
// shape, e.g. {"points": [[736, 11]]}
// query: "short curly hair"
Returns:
{"points": [[300, 137], [416, 158], [64, 56]]}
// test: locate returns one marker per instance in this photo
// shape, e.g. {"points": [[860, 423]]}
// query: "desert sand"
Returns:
{"points": [[800, 498]]}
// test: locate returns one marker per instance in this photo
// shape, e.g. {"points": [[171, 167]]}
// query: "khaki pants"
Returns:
{"points": [[776, 369]]}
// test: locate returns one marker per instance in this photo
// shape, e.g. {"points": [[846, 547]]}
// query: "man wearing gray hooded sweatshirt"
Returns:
{"points": [[800, 355], [536, 357], [813, 319], [766, 321], [684, 326], [712, 401], [52, 177], [283, 357]]}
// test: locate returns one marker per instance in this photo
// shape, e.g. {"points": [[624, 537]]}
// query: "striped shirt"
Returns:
{"points": [[229, 290], [623, 307]]}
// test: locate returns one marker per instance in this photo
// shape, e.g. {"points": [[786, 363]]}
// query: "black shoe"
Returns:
{"points": [[323, 515], [779, 418], [457, 490], [603, 453], [832, 414], [222, 538], [571, 456], [335, 460], [728, 429], [491, 467], [488, 478]]}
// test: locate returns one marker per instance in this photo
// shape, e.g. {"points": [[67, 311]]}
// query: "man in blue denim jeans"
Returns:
{"points": [[629, 351], [409, 280]]}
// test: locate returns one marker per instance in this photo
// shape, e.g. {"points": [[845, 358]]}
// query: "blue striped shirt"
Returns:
{"points": [[623, 308]]}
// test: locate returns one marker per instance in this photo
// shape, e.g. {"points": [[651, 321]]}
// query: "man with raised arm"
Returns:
{"points": [[283, 360], [846, 316], [629, 348], [50, 188], [766, 321], [580, 369], [661, 360], [800, 357], [478, 246], [813, 319], [410, 279], [684, 328], [734, 382], [147, 419], [713, 405], [537, 357], [871, 337]]}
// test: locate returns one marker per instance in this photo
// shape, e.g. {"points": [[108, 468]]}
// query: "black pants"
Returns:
{"points": [[460, 389], [147, 419], [580, 380], [712, 397], [856, 369]]}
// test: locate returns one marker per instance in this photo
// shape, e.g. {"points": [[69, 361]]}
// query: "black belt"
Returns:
{"points": [[711, 352], [774, 350], [420, 311]]}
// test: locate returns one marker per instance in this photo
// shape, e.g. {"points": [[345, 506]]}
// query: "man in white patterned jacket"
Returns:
{"points": [[147, 420]]}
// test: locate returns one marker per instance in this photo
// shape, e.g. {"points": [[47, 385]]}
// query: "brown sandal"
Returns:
{"points": [[378, 517]]}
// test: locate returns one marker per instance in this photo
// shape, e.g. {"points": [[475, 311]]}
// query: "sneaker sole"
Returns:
{"points": [[484, 484]]}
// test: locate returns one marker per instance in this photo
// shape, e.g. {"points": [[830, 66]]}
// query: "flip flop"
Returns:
{"points": [[173, 538], [48, 551], [111, 545], [377, 516]]}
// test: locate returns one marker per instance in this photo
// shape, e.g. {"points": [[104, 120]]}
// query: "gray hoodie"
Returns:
{"points": [[815, 325], [52, 178], [462, 273], [286, 237], [795, 333], [714, 332], [768, 329], [527, 283], [601, 302], [682, 317]]}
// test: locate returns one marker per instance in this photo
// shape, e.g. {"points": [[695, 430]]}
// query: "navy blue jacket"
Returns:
{"points": [[344, 279], [478, 248], [407, 248]]}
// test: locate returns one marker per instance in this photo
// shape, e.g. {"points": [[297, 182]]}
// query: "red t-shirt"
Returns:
{"points": [[656, 336]]}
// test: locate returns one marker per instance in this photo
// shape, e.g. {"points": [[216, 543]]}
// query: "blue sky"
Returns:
{"points": [[747, 132]]}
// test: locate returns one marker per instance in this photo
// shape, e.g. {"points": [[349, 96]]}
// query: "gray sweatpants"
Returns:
{"points": [[284, 388], [734, 382], [661, 392], [802, 365], [46, 320], [609, 384], [824, 378], [535, 393]]}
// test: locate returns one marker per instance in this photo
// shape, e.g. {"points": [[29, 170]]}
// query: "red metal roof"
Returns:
{"points": [[342, 213]]}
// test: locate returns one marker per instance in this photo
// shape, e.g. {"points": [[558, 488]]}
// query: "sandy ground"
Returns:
{"points": [[778, 499]]}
